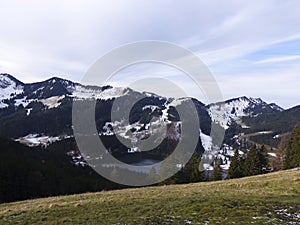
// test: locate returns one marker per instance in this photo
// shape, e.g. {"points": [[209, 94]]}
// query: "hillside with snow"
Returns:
{"points": [[232, 111], [39, 114]]}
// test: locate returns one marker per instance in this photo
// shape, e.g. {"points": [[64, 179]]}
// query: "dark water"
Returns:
{"points": [[143, 165]]}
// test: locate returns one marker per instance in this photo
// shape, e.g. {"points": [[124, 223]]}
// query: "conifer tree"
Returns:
{"points": [[191, 172], [217, 172], [167, 169], [255, 161], [263, 154], [292, 157], [236, 164]]}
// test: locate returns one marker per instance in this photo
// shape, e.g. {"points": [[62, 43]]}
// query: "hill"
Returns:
{"points": [[266, 199]]}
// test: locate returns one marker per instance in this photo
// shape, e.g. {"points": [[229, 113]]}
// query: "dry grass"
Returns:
{"points": [[256, 200]]}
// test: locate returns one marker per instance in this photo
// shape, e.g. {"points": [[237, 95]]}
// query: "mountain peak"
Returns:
{"points": [[9, 88], [245, 99], [232, 110], [58, 79], [7, 80], [257, 100]]}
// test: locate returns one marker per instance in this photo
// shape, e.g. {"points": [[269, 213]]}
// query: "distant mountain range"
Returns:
{"points": [[40, 114], [38, 152]]}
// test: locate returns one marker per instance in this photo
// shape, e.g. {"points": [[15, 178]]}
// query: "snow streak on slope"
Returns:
{"points": [[52, 102], [206, 141], [225, 113], [22, 101], [32, 140], [109, 93]]}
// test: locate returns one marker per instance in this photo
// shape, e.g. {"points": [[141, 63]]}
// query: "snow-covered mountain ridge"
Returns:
{"points": [[50, 92], [55, 93], [230, 111], [40, 114]]}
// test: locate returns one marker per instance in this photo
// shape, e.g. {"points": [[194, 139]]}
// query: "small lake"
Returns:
{"points": [[143, 165]]}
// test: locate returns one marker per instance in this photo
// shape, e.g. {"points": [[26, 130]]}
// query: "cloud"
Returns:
{"points": [[63, 38], [279, 59], [274, 85]]}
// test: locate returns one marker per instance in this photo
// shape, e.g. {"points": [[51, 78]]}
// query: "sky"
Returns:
{"points": [[252, 48]]}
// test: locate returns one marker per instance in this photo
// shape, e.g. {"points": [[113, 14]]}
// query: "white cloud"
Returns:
{"points": [[278, 86], [279, 59], [63, 38]]}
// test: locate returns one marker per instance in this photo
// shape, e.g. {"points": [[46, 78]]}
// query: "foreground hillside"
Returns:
{"points": [[266, 199]]}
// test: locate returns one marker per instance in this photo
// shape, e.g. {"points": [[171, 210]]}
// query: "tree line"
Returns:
{"points": [[256, 161]]}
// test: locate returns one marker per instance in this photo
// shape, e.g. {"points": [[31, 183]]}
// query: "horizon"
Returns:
{"points": [[178, 97]]}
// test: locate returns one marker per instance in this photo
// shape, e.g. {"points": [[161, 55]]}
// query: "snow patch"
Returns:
{"points": [[206, 141], [208, 167], [8, 89], [225, 113], [265, 132], [82, 92], [3, 105], [52, 102], [33, 140], [23, 101], [272, 154], [28, 111], [151, 107]]}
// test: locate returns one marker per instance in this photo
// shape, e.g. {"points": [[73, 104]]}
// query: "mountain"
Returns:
{"points": [[50, 103], [31, 100], [280, 122], [9, 87], [39, 115], [231, 111]]}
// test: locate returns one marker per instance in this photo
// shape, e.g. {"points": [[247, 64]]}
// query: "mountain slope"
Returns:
{"points": [[50, 103], [279, 123], [266, 199], [231, 111], [40, 114], [22, 104], [9, 88]]}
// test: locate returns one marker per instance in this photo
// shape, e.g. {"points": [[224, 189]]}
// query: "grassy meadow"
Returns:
{"points": [[265, 199]]}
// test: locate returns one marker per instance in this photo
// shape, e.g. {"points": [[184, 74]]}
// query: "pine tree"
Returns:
{"points": [[168, 169], [256, 161], [292, 157], [236, 164], [217, 172], [263, 155], [191, 170]]}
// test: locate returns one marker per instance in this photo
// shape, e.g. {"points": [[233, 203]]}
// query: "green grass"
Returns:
{"points": [[266, 199]]}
